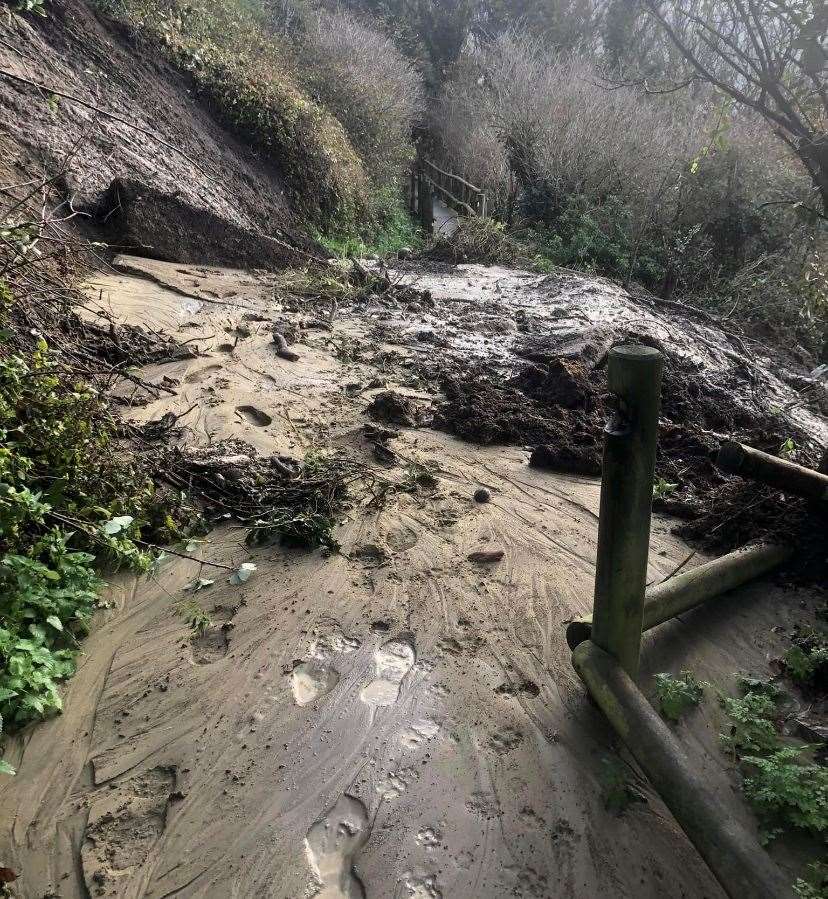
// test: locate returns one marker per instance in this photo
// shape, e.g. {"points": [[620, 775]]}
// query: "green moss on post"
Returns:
{"points": [[634, 377]]}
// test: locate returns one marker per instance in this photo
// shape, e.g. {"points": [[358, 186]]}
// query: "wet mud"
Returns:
{"points": [[395, 714]]}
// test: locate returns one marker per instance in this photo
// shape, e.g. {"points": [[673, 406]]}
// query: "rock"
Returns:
{"points": [[486, 556], [282, 348], [482, 495], [383, 455]]}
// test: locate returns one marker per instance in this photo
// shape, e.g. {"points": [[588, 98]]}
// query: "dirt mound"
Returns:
{"points": [[136, 217], [480, 411], [395, 409], [557, 408]]}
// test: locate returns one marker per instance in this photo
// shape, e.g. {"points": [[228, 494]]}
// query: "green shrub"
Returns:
{"points": [[751, 723], [676, 695], [787, 793], [69, 498], [247, 80], [395, 229]]}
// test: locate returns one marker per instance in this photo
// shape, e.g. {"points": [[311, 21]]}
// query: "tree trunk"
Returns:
{"points": [[815, 156]]}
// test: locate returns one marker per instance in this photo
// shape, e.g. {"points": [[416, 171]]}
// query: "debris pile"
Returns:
{"points": [[277, 497]]}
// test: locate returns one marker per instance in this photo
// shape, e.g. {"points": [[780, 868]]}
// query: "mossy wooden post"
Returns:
{"points": [[634, 378]]}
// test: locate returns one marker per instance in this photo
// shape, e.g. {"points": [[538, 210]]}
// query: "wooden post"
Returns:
{"points": [[634, 377], [412, 191], [788, 477], [741, 866], [686, 591], [426, 205]]}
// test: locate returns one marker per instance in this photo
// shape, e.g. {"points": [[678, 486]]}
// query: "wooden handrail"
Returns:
{"points": [[454, 177]]}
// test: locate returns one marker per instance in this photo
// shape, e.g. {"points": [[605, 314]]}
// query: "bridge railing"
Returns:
{"points": [[455, 191]]}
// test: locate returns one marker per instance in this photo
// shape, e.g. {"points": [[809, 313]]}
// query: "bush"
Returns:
{"points": [[371, 88], [685, 194], [68, 499]]}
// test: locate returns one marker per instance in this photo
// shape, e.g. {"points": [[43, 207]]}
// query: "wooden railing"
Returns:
{"points": [[428, 179]]}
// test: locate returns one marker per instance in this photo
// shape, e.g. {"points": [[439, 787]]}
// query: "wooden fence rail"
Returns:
{"points": [[454, 191]]}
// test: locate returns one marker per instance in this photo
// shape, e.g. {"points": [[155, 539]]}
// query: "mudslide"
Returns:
{"points": [[397, 719]]}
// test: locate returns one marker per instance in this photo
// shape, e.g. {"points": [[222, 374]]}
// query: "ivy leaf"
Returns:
{"points": [[116, 525], [243, 573]]}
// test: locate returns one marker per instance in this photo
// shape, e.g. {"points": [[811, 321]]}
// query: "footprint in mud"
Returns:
{"points": [[315, 676], [196, 377], [212, 644], [506, 740], [393, 660], [331, 844], [422, 886], [123, 826], [395, 783], [254, 416], [420, 732], [311, 680], [429, 837]]}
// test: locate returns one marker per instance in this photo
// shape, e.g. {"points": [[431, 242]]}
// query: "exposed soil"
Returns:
{"points": [[141, 220], [170, 183], [398, 717]]}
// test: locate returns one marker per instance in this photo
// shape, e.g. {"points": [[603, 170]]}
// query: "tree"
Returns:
{"points": [[769, 55]]}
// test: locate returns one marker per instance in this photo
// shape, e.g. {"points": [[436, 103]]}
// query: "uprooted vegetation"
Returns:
{"points": [[274, 497]]}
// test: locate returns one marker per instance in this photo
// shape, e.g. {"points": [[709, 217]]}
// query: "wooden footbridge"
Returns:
{"points": [[429, 183]]}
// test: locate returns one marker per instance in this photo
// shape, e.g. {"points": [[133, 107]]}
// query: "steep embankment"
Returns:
{"points": [[190, 190]]}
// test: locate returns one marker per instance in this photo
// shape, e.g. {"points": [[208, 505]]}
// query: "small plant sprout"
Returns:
{"points": [[6, 768], [788, 448], [786, 792], [194, 616], [662, 488], [676, 695]]}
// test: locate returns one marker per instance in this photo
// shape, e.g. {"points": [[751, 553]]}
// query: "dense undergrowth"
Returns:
{"points": [[688, 195], [72, 502]]}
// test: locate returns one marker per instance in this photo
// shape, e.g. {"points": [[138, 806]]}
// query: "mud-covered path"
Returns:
{"points": [[392, 721]]}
